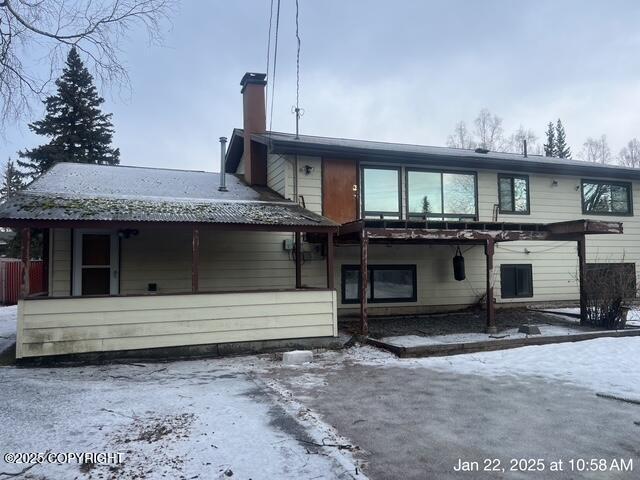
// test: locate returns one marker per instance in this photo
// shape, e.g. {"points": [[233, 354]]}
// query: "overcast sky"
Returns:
{"points": [[401, 71]]}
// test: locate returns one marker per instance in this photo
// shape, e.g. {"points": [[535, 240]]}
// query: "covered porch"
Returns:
{"points": [[143, 285], [363, 233]]}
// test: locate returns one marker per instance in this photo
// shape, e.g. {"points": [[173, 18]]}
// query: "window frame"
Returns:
{"points": [[528, 266], [363, 193], [443, 215], [512, 177], [627, 185], [371, 268]]}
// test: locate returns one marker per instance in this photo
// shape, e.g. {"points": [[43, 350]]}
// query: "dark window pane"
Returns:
{"points": [[424, 191], [459, 192], [508, 281], [96, 249], [506, 203], [516, 281], [351, 289], [381, 190], [523, 282], [96, 281], [521, 194], [393, 284]]}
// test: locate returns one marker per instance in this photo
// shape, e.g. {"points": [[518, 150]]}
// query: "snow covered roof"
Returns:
{"points": [[76, 192], [422, 154]]}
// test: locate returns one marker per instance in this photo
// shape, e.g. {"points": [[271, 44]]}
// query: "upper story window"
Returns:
{"points": [[441, 195], [381, 192], [513, 194], [606, 198]]}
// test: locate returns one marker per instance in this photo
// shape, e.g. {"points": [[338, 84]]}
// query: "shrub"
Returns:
{"points": [[609, 291]]}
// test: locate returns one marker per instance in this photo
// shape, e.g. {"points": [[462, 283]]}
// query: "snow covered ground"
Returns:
{"points": [[512, 333], [7, 327], [633, 317], [201, 419], [605, 365]]}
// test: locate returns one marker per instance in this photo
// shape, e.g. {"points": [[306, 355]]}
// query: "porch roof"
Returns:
{"points": [[93, 194], [472, 232]]}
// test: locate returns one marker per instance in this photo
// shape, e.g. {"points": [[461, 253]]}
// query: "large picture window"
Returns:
{"points": [[606, 198], [513, 194], [387, 283], [441, 195], [516, 281], [381, 192]]}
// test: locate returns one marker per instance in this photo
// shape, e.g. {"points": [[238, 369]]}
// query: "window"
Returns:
{"points": [[441, 195], [513, 194], [606, 198], [387, 283], [516, 281], [381, 192]]}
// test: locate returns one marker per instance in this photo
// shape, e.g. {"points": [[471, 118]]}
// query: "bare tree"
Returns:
{"points": [[629, 156], [515, 142], [461, 138], [596, 150], [35, 36], [488, 130]]}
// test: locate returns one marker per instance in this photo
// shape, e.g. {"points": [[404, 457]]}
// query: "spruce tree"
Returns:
{"points": [[79, 131], [550, 146], [562, 150], [11, 180]]}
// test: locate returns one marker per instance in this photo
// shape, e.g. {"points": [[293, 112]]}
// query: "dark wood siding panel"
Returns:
{"points": [[339, 202]]}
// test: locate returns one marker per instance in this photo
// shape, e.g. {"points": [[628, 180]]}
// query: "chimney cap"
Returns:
{"points": [[253, 78]]}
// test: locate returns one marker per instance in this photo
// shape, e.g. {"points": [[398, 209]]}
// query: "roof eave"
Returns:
{"points": [[463, 161]]}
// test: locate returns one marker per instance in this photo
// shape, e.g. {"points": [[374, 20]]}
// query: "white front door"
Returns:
{"points": [[95, 262]]}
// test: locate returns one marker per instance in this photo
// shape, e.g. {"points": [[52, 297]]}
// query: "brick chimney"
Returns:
{"points": [[255, 121]]}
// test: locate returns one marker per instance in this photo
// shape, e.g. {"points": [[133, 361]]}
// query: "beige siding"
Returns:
{"points": [[228, 261], [277, 173], [60, 262], [79, 325]]}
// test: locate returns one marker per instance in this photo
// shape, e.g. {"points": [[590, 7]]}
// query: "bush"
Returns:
{"points": [[609, 292]]}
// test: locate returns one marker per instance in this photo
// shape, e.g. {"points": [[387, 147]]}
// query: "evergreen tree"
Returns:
{"points": [[79, 131], [562, 150], [11, 180], [550, 146]]}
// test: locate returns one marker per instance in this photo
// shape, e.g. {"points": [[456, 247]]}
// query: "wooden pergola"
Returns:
{"points": [[364, 232]]}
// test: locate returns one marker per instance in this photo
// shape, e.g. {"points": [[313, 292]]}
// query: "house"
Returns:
{"points": [[303, 228]]}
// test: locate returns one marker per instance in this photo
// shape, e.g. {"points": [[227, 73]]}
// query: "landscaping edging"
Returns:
{"points": [[446, 349]]}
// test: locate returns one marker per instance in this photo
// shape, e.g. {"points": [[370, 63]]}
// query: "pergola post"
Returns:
{"points": [[582, 267], [195, 258], [491, 312], [26, 262], [330, 261], [364, 279], [299, 254]]}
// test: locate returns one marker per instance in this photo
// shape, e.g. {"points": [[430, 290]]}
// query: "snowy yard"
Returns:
{"points": [[7, 327], [377, 415]]}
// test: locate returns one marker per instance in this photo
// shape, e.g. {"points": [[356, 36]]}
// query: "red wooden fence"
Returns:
{"points": [[11, 279]]}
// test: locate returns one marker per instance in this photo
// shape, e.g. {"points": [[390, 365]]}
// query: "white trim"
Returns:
{"points": [[77, 260]]}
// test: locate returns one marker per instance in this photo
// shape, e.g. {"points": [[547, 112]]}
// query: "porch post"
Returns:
{"points": [[195, 258], [491, 312], [26, 261], [299, 254], [582, 267], [364, 274], [330, 260]]}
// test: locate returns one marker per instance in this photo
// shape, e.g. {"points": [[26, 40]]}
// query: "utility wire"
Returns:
{"points": [[297, 109], [275, 64], [266, 97]]}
